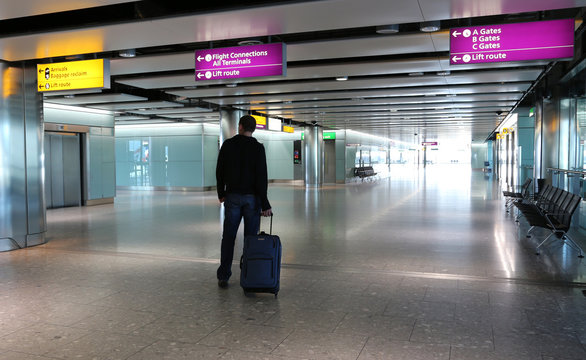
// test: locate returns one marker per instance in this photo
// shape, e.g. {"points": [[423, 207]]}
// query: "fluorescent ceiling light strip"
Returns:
{"points": [[76, 108]]}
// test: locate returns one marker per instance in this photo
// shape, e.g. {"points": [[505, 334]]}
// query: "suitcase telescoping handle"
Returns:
{"points": [[271, 228]]}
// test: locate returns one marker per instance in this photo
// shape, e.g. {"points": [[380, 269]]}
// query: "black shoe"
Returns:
{"points": [[223, 283]]}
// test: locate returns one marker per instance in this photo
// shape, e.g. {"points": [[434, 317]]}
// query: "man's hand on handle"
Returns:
{"points": [[267, 212]]}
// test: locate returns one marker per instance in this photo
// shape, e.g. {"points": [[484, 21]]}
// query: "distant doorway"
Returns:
{"points": [[329, 161], [62, 170]]}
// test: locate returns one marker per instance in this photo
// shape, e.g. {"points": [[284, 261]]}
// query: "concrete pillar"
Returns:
{"points": [[314, 156], [22, 197], [229, 119]]}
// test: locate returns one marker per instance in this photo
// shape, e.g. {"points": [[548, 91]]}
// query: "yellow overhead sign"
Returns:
{"points": [[261, 121], [72, 75], [288, 129]]}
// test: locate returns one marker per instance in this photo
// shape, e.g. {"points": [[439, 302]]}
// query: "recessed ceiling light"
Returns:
{"points": [[233, 85], [249, 42], [387, 29], [444, 73], [342, 78], [429, 26], [128, 53], [419, 73]]}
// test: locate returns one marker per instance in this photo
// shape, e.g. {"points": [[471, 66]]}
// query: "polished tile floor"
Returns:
{"points": [[424, 265]]}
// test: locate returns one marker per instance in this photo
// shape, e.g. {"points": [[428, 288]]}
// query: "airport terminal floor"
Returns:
{"points": [[425, 264]]}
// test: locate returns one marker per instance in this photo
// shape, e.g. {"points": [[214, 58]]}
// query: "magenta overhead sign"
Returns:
{"points": [[512, 42], [241, 62]]}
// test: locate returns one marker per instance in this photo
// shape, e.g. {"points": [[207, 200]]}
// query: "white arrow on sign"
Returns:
{"points": [[456, 59], [455, 34], [199, 58], [199, 75]]}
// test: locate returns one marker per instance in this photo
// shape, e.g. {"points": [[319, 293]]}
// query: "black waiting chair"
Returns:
{"points": [[514, 196]]}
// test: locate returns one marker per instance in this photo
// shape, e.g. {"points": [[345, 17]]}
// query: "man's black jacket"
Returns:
{"points": [[242, 169]]}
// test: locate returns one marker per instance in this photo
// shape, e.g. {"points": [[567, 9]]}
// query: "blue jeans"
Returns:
{"points": [[236, 207]]}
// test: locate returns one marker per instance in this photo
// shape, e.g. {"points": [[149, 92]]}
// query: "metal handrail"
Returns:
{"points": [[582, 173]]}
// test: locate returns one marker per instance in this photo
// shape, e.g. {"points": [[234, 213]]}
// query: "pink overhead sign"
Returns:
{"points": [[241, 62], [538, 40]]}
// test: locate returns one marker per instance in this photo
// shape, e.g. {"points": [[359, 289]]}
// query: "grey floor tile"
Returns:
{"points": [[338, 287], [84, 295], [380, 278], [65, 314], [376, 325], [179, 328], [165, 350], [11, 325], [117, 321], [458, 334], [395, 292], [246, 355], [41, 338], [362, 304], [101, 346], [421, 310], [128, 300], [457, 296], [291, 298], [429, 282], [462, 353], [502, 318], [316, 345], [239, 336], [10, 355], [316, 320], [561, 345], [499, 286], [522, 342], [383, 349], [523, 300]]}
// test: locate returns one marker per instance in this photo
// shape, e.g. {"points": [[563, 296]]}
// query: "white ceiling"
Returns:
{"points": [[21, 8], [379, 97]]}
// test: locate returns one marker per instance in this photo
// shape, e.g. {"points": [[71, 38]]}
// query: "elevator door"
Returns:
{"points": [[329, 161], [62, 170]]}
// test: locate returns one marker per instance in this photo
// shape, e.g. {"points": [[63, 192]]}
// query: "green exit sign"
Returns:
{"points": [[326, 136], [329, 136]]}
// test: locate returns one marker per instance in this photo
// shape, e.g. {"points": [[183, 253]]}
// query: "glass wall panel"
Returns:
{"points": [[581, 117], [581, 158], [158, 161]]}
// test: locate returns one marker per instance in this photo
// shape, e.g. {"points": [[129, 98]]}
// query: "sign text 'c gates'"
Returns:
{"points": [[539, 40]]}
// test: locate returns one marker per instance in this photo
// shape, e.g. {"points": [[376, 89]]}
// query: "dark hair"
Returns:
{"points": [[248, 123]]}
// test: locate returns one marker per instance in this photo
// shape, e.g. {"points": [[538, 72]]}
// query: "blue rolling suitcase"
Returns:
{"points": [[260, 264]]}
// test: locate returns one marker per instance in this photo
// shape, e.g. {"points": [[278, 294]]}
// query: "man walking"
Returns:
{"points": [[242, 182]]}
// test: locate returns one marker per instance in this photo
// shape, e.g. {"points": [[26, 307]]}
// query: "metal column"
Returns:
{"points": [[22, 199], [314, 156], [229, 123]]}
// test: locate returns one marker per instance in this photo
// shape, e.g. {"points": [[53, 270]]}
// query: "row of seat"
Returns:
{"points": [[364, 171], [553, 210]]}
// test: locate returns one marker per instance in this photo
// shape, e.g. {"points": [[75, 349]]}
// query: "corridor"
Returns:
{"points": [[425, 264]]}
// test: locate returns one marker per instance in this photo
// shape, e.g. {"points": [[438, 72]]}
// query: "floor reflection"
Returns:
{"points": [[444, 219]]}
